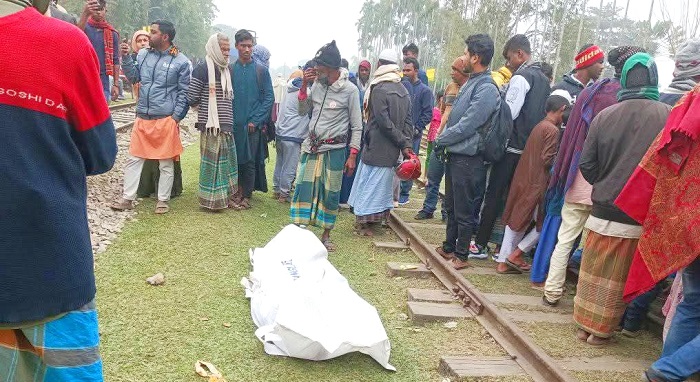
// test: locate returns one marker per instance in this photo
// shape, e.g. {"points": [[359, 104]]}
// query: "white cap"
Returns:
{"points": [[388, 55], [563, 93]]}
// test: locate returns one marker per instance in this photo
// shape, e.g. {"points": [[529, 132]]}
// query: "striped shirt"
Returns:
{"points": [[198, 95]]}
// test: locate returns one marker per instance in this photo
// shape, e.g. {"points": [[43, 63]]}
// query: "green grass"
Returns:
{"points": [[157, 333]]}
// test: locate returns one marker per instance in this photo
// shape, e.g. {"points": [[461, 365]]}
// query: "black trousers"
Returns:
{"points": [[496, 194], [465, 179]]}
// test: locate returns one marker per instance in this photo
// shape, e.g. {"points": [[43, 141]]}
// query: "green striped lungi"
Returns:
{"points": [[317, 191], [218, 170]]}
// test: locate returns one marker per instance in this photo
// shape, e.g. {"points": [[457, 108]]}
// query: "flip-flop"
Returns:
{"points": [[365, 232], [510, 271], [521, 268], [512, 268]]}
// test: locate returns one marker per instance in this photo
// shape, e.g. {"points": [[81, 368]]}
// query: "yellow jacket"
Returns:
{"points": [[501, 76]]}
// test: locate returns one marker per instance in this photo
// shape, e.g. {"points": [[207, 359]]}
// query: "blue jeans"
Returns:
{"points": [[436, 171], [681, 354], [637, 311], [407, 184]]}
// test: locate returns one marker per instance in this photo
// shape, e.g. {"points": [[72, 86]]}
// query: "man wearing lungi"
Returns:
{"points": [[54, 135], [334, 102], [164, 76]]}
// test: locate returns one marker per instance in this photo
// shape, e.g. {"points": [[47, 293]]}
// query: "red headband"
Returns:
{"points": [[589, 57]]}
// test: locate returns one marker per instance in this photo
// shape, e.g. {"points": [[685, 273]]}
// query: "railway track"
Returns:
{"points": [[510, 325], [123, 115]]}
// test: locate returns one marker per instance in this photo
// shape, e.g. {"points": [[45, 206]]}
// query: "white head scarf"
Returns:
{"points": [[216, 59]]}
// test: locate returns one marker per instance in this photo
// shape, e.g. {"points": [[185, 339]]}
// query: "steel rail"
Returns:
{"points": [[126, 105], [531, 358]]}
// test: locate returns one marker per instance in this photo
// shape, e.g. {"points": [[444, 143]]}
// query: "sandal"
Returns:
{"points": [[122, 204], [330, 247], [521, 267], [509, 271], [162, 207], [459, 264], [596, 341], [364, 231], [445, 255]]}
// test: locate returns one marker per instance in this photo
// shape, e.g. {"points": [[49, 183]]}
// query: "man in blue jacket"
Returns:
{"points": [[164, 75], [465, 172], [421, 112]]}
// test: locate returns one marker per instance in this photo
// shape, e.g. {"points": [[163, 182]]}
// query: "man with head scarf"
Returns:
{"points": [[687, 72], [619, 137], [261, 56], [386, 136], [568, 197], [211, 90], [334, 103], [53, 137]]}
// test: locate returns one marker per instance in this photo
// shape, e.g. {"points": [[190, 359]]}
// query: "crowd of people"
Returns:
{"points": [[592, 171]]}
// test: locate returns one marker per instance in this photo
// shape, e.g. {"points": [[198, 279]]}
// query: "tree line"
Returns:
{"points": [[192, 19], [557, 28]]}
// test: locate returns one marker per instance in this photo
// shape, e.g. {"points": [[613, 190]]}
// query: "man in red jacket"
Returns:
{"points": [[57, 129]]}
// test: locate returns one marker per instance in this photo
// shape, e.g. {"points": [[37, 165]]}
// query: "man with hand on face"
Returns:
{"points": [[334, 103], [253, 98], [164, 75], [104, 39]]}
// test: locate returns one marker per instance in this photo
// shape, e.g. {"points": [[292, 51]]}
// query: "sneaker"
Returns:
{"points": [[478, 252], [403, 200], [652, 375], [422, 215]]}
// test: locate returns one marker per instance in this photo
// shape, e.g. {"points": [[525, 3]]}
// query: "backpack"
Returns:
{"points": [[495, 134]]}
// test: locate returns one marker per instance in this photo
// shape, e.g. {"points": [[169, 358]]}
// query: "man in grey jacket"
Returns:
{"points": [[292, 129], [388, 132], [164, 75], [334, 103], [465, 172]]}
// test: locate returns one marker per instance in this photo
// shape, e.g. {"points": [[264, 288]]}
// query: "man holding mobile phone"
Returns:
{"points": [[105, 40]]}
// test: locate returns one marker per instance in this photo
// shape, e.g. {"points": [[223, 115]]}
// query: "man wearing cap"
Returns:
{"points": [[437, 169], [292, 129], [568, 194], [387, 134], [363, 78], [687, 73], [334, 103], [588, 68]]}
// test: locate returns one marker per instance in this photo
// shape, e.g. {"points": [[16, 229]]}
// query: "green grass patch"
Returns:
{"points": [[157, 333]]}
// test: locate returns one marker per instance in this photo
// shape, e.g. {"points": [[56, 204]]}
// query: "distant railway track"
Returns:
{"points": [[123, 115]]}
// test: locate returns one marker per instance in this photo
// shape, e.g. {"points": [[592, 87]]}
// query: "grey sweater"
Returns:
{"points": [[339, 115]]}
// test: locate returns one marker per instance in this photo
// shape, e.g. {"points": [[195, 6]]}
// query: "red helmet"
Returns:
{"points": [[409, 169]]}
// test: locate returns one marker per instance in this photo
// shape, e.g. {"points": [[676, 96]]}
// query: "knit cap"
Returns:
{"points": [[618, 56], [328, 56], [589, 57]]}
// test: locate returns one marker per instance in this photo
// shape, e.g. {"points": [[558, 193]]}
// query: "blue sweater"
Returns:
{"points": [[421, 104], [56, 129]]}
